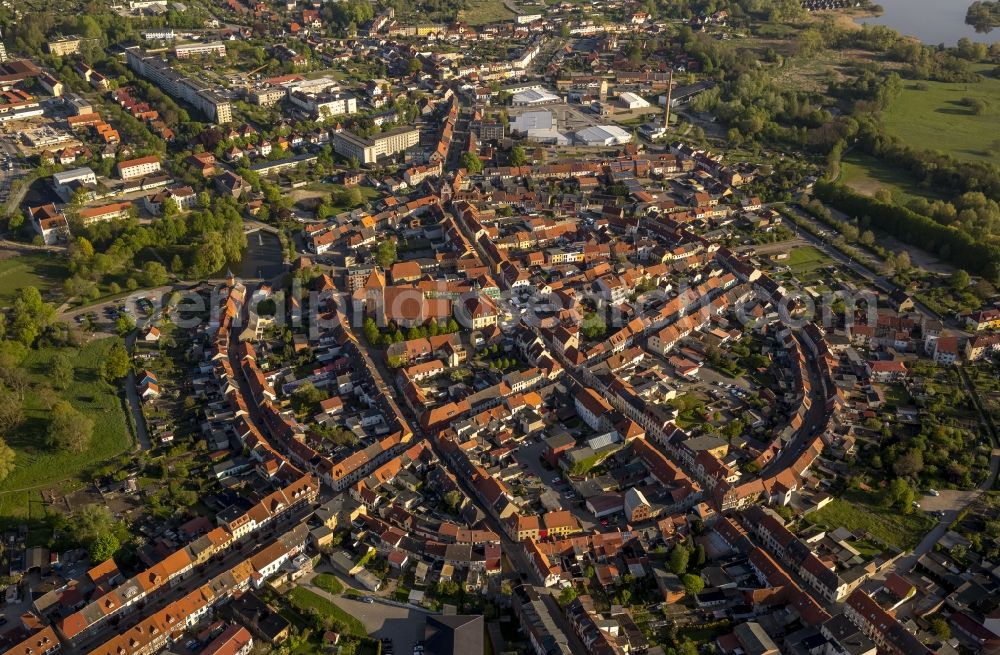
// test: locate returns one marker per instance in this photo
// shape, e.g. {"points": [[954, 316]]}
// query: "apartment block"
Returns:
{"points": [[190, 90], [66, 45], [368, 151], [217, 48], [135, 168]]}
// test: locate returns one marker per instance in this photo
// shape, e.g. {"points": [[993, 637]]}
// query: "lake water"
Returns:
{"points": [[931, 21]]}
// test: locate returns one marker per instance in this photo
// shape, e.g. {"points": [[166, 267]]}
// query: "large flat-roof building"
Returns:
{"points": [[538, 126], [186, 50], [190, 90], [368, 151], [534, 96], [602, 135], [65, 45]]}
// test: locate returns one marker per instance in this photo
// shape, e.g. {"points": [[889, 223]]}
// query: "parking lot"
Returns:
{"points": [[529, 454], [404, 626]]}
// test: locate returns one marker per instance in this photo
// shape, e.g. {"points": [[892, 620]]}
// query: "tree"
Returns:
{"points": [[517, 156], [11, 411], [910, 464], [371, 331], [85, 247], [385, 254], [903, 262], [960, 280], [124, 324], [307, 396], [693, 584], [939, 626], [453, 499], [867, 238], [679, 559], [567, 596], [899, 495], [69, 429], [116, 363], [351, 197], [30, 315], [62, 371], [168, 208], [686, 647], [472, 163], [699, 555], [103, 547], [7, 456], [154, 274]]}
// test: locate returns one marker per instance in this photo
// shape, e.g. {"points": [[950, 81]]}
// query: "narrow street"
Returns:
{"points": [[134, 403]]}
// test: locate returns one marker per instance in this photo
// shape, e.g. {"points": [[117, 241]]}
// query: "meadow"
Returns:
{"points": [[930, 115]]}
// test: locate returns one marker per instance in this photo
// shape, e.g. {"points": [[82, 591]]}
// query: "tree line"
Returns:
{"points": [[954, 245]]}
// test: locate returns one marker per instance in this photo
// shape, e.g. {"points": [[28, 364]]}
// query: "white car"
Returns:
{"points": [[934, 492]]}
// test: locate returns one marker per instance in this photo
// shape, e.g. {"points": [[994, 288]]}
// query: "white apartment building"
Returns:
{"points": [[368, 151], [141, 167]]}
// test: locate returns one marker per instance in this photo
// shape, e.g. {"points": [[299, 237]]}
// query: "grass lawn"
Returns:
{"points": [[304, 600], [805, 260], [859, 512], [24, 270], [896, 395], [35, 466], [481, 12], [328, 582], [919, 117], [866, 175], [866, 548]]}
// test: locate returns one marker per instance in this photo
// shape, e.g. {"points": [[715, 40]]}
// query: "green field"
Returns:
{"points": [[935, 119], [481, 12], [304, 600], [859, 512], [805, 260], [35, 466], [866, 174], [23, 270]]}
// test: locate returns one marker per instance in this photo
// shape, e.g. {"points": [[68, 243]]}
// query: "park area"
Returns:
{"points": [[38, 467], [19, 270], [859, 512], [920, 111]]}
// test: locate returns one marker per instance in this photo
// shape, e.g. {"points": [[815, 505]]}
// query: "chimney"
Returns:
{"points": [[670, 94]]}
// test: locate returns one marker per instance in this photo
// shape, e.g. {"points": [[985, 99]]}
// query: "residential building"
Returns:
{"points": [[65, 45], [49, 223], [186, 50], [136, 168], [177, 86], [370, 150]]}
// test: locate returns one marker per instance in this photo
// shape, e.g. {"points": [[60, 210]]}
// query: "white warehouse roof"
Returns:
{"points": [[533, 97], [633, 100], [603, 135]]}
